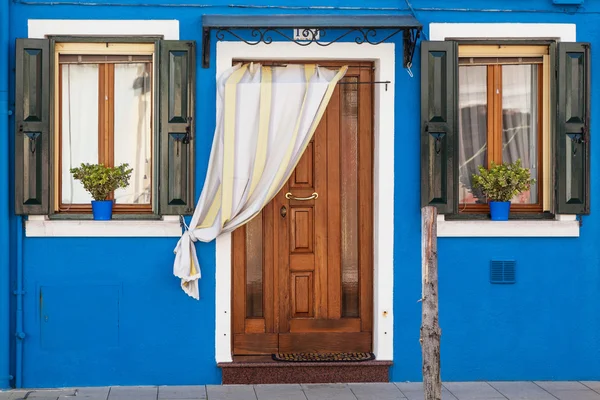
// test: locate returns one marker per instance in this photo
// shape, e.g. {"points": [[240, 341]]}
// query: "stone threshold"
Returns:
{"points": [[253, 373]]}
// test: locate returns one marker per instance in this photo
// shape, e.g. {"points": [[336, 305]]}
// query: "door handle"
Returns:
{"points": [[290, 196]]}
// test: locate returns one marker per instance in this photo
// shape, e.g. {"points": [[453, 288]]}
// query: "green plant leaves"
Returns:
{"points": [[502, 182], [100, 181]]}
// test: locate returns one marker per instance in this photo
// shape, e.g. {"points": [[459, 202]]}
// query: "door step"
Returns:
{"points": [[270, 372]]}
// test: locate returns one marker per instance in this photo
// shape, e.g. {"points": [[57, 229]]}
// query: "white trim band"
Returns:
{"points": [[41, 28], [41, 226], [562, 226], [562, 32]]}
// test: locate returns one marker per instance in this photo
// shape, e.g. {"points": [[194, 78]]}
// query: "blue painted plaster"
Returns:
{"points": [[546, 326]]}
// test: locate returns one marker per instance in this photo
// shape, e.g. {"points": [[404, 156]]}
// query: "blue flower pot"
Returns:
{"points": [[499, 210], [102, 210]]}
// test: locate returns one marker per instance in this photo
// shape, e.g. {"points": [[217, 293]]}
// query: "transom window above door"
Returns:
{"points": [[108, 101], [484, 103]]}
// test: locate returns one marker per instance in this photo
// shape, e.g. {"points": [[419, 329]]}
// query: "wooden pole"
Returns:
{"points": [[430, 327]]}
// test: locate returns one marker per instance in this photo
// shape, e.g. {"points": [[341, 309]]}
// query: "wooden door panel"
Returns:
{"points": [[302, 262], [365, 201], [302, 294], [325, 325], [332, 342], [254, 344], [303, 175], [332, 265], [317, 255], [302, 231], [255, 325]]}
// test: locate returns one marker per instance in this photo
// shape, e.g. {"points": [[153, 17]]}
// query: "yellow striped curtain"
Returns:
{"points": [[266, 117]]}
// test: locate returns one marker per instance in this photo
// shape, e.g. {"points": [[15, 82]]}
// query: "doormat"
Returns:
{"points": [[323, 357]]}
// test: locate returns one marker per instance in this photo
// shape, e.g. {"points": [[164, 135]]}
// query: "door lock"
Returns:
{"points": [[283, 211]]}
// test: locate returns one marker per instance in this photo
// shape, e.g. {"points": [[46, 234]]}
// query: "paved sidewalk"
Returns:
{"points": [[352, 391]]}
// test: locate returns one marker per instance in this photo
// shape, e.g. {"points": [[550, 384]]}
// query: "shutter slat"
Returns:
{"points": [[572, 137], [439, 65], [177, 90], [32, 126]]}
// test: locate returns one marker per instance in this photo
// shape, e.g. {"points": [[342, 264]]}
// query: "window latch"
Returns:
{"points": [[32, 136], [577, 138], [188, 132]]}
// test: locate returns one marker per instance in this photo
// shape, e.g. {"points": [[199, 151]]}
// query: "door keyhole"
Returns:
{"points": [[283, 211]]}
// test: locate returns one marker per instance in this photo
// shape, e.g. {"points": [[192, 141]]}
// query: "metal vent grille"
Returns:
{"points": [[502, 271]]}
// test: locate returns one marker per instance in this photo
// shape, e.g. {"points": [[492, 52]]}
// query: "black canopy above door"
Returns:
{"points": [[315, 29]]}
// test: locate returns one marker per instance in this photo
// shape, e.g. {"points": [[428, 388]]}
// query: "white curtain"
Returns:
{"points": [[132, 129], [79, 126], [265, 119], [519, 122]]}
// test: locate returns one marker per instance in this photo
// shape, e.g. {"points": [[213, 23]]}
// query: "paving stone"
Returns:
{"points": [[577, 395], [594, 385], [522, 391], [52, 393], [91, 393], [52, 397], [338, 391], [279, 392], [376, 391], [230, 392], [552, 386], [133, 393], [473, 390], [414, 391], [181, 392], [82, 397], [13, 394]]}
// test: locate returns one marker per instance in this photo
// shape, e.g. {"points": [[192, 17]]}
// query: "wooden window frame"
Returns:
{"points": [[105, 119], [494, 117]]}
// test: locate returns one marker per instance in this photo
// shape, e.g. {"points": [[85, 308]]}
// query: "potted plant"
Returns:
{"points": [[500, 183], [100, 182]]}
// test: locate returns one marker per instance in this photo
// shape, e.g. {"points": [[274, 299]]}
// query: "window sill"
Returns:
{"points": [[41, 226], [560, 226]]}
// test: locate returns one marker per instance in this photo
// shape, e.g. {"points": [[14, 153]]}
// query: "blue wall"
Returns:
{"points": [[546, 326]]}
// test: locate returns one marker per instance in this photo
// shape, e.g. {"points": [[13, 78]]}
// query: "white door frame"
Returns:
{"points": [[383, 56]]}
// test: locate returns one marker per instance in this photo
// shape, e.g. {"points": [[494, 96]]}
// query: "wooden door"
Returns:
{"points": [[302, 269]]}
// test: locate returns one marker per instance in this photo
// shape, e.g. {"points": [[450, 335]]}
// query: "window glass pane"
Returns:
{"points": [[133, 130], [79, 127], [519, 122], [472, 128], [349, 196], [254, 267]]}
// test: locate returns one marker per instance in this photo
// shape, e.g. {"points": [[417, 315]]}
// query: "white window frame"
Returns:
{"points": [[41, 226], [561, 225], [384, 57]]}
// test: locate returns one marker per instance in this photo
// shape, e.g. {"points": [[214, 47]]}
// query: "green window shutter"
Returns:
{"points": [[572, 129], [439, 66], [32, 126], [177, 90]]}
